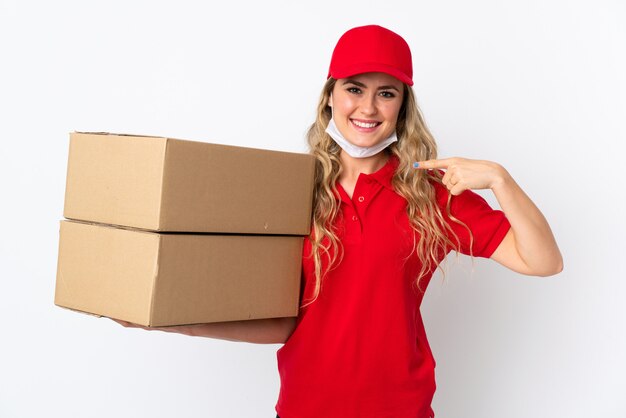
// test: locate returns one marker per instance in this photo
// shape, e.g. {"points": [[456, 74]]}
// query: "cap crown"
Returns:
{"points": [[372, 48]]}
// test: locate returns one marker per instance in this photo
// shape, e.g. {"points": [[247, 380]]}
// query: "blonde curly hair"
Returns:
{"points": [[415, 143]]}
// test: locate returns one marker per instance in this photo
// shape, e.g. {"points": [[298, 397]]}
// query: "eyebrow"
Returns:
{"points": [[359, 84]]}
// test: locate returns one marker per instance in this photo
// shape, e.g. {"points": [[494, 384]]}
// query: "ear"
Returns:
{"points": [[330, 100]]}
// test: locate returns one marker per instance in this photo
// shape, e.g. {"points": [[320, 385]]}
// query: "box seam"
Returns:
{"points": [[155, 276], [67, 176], [160, 216]]}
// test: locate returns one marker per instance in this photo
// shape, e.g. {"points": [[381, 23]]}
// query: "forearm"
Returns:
{"points": [[258, 331], [533, 239]]}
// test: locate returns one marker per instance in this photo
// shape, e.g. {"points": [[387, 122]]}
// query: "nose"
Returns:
{"points": [[368, 105]]}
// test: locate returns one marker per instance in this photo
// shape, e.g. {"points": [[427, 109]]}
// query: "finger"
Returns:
{"points": [[429, 164], [126, 324], [457, 189]]}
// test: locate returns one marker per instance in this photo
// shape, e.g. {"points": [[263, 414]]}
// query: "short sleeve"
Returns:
{"points": [[488, 226]]}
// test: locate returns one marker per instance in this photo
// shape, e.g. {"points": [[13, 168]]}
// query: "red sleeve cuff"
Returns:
{"points": [[496, 239]]}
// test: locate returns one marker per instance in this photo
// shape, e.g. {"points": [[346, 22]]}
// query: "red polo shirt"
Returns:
{"points": [[360, 350]]}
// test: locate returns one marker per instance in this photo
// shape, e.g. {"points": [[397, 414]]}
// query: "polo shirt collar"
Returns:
{"points": [[385, 174]]}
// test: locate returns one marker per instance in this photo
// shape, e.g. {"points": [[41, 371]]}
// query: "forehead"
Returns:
{"points": [[374, 79]]}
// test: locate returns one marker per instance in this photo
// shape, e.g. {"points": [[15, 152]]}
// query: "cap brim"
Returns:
{"points": [[370, 68]]}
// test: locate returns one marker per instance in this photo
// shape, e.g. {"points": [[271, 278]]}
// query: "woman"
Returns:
{"points": [[386, 213]]}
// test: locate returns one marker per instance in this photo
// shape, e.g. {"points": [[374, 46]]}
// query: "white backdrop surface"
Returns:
{"points": [[536, 85]]}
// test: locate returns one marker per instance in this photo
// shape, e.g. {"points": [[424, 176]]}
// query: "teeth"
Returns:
{"points": [[364, 124]]}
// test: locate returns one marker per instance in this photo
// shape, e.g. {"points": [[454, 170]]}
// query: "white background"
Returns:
{"points": [[536, 85]]}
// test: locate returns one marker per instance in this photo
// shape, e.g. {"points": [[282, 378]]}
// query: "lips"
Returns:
{"points": [[365, 124]]}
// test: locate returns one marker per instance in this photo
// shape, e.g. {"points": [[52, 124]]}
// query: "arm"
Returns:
{"points": [[529, 247], [258, 331]]}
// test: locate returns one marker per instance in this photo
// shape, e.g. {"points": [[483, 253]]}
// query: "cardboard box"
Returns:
{"points": [[165, 184], [161, 279]]}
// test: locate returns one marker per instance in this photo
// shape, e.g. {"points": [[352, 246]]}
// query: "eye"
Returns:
{"points": [[387, 94], [354, 90]]}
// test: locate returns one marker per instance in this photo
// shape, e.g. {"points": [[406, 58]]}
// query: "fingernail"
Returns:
{"points": [[416, 164]]}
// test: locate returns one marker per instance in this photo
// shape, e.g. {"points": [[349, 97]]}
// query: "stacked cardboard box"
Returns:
{"points": [[162, 231]]}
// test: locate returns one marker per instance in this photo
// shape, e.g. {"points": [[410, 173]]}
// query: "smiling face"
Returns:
{"points": [[366, 107]]}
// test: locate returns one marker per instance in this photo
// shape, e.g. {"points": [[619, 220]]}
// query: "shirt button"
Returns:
{"points": [[361, 198], [354, 218]]}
